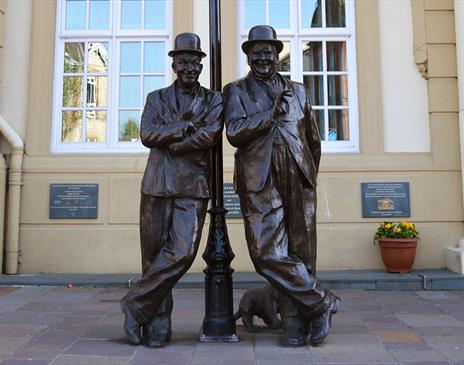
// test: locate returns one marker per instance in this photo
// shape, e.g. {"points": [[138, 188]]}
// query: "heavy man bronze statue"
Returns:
{"points": [[270, 122], [179, 124]]}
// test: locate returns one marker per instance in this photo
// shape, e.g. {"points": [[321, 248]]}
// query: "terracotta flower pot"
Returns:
{"points": [[398, 254]]}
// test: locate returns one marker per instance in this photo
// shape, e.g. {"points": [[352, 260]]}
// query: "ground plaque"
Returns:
{"points": [[385, 199], [231, 201], [73, 201]]}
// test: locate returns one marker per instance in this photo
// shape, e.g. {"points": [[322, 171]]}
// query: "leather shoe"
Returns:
{"points": [[321, 325], [158, 332], [131, 326]]}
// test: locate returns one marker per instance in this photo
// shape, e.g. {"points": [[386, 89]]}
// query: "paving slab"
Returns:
{"points": [[87, 346], [430, 320], [419, 356], [451, 347], [360, 354], [77, 326], [89, 360]]}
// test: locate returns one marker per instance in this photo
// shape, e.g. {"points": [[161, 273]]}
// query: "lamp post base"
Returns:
{"points": [[227, 338], [219, 322]]}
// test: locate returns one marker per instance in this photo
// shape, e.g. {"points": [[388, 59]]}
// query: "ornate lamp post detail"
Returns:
{"points": [[219, 322]]}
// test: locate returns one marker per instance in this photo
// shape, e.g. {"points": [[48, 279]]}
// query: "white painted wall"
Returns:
{"points": [[201, 27], [14, 88], [404, 91]]}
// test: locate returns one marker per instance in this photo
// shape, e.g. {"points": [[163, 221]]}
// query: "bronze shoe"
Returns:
{"points": [[294, 327], [321, 325], [131, 326], [158, 332]]}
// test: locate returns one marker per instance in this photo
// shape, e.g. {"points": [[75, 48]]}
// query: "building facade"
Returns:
{"points": [[384, 85]]}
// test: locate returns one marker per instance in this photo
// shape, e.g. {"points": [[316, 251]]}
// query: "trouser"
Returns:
{"points": [[280, 229], [170, 232]]}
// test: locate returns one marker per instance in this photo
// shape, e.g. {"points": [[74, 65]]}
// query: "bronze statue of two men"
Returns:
{"points": [[269, 120]]}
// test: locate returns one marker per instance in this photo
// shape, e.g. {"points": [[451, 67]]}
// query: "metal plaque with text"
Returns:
{"points": [[385, 199], [73, 201], [231, 201]]}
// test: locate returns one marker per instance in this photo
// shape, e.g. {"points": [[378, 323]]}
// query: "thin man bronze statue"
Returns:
{"points": [[270, 122], [180, 124]]}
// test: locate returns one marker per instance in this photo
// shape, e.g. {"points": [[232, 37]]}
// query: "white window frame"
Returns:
{"points": [[296, 35], [113, 36]]}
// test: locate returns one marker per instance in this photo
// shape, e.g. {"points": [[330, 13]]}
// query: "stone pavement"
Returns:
{"points": [[71, 326]]}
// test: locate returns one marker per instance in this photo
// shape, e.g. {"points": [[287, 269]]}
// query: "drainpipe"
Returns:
{"points": [[459, 24], [14, 195]]}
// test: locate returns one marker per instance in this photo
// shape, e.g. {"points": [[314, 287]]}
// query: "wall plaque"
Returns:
{"points": [[385, 199], [73, 201], [231, 201]]}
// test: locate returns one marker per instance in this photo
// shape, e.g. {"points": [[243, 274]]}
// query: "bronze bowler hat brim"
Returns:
{"points": [[262, 33], [187, 42]]}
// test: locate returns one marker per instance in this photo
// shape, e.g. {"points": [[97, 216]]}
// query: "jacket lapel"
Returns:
{"points": [[170, 107], [197, 106]]}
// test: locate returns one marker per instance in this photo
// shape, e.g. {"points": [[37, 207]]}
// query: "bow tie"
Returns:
{"points": [[188, 92]]}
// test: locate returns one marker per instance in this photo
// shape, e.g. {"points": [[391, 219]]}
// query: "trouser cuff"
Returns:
{"points": [[128, 307], [321, 307]]}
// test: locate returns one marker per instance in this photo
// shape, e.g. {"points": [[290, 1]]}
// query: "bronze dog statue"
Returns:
{"points": [[260, 302]]}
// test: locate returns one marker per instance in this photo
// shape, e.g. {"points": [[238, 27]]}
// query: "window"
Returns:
{"points": [[109, 55], [319, 51]]}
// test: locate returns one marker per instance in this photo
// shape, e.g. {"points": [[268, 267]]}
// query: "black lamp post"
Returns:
{"points": [[219, 323]]}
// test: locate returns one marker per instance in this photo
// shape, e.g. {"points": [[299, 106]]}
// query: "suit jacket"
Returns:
{"points": [[179, 164], [251, 128]]}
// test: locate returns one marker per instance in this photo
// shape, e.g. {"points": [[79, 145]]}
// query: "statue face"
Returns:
{"points": [[187, 67], [263, 59]]}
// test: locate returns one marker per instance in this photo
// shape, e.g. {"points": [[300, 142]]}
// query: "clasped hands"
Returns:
{"points": [[189, 126], [281, 104], [188, 129]]}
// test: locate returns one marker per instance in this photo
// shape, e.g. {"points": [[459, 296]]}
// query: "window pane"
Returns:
{"points": [[151, 83], [97, 91], [255, 13], [75, 14], [319, 115], [335, 13], [279, 13], [73, 57], [153, 57], [338, 90], [71, 130], [130, 57], [72, 91], [338, 125], [311, 14], [312, 56], [315, 87], [131, 14], [97, 57], [154, 14], [129, 91], [95, 126], [284, 58], [129, 125], [336, 56], [99, 14]]}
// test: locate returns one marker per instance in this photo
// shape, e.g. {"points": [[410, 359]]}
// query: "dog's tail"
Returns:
{"points": [[237, 314]]}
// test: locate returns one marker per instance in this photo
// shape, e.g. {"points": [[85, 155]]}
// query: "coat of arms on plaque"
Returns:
{"points": [[385, 204]]}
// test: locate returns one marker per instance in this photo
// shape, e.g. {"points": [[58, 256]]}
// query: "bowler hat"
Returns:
{"points": [[262, 33], [187, 42]]}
